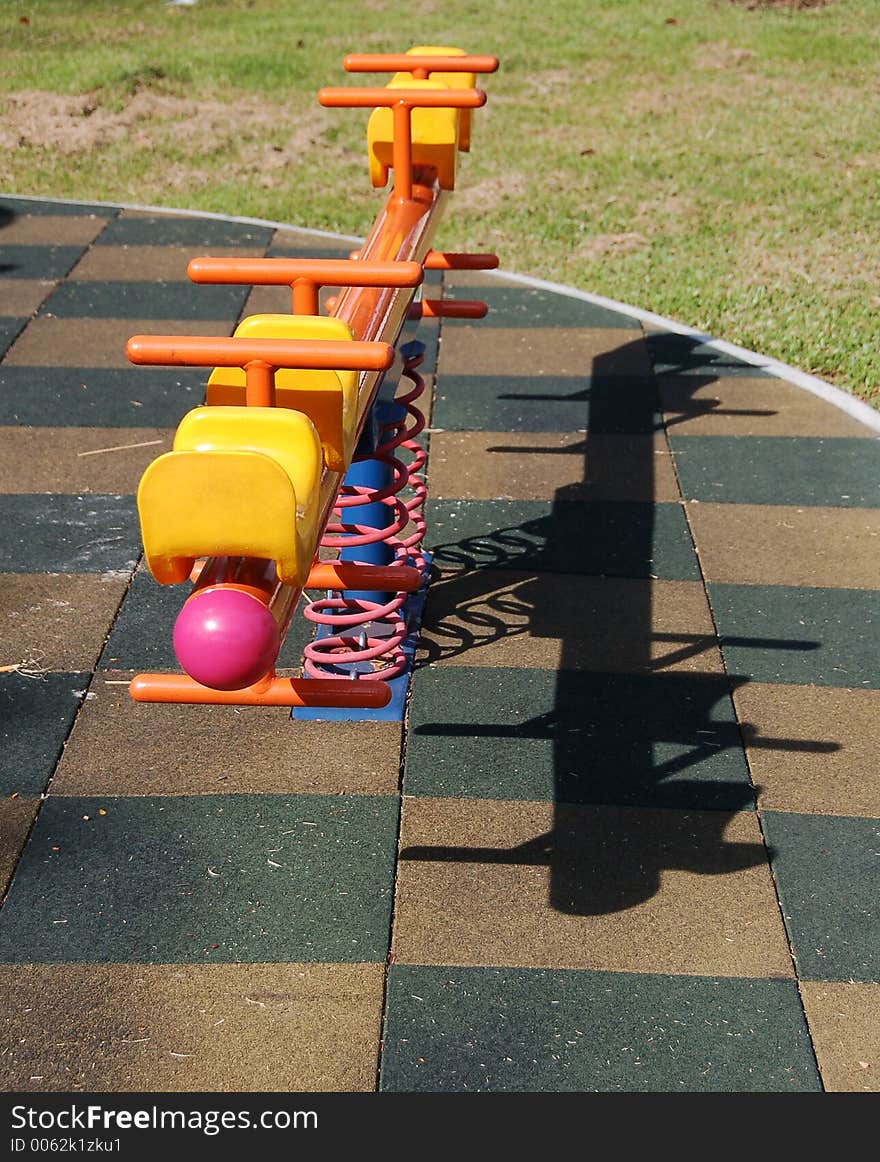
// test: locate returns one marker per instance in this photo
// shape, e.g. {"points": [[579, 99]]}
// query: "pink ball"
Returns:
{"points": [[226, 639]]}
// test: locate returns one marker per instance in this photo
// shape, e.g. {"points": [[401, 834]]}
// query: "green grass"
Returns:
{"points": [[712, 163]]}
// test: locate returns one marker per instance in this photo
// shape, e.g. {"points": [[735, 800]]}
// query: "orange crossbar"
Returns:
{"points": [[271, 691]]}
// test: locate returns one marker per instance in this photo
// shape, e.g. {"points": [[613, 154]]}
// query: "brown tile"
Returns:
{"points": [[57, 621], [548, 621], [49, 341], [739, 406], [16, 818], [20, 297], [535, 351], [150, 263], [121, 747], [294, 239], [268, 300], [627, 889], [776, 544], [846, 1033], [536, 465], [104, 460], [190, 1028], [812, 749], [53, 230]]}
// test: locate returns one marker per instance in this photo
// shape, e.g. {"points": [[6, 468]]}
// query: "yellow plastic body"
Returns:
{"points": [[239, 482], [453, 81], [328, 398], [437, 134]]}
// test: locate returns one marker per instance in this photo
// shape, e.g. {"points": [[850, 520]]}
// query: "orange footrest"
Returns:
{"points": [[337, 692]]}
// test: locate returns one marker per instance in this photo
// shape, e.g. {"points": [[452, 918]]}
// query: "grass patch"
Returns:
{"points": [[712, 161]]}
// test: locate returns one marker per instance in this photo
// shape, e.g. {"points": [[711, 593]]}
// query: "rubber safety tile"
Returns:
{"points": [[205, 1028], [538, 351], [52, 229], [575, 737], [521, 307], [567, 622], [68, 534], [527, 465], [621, 889], [775, 544], [57, 621], [683, 355], [144, 229], [226, 878], [788, 634], [94, 342], [740, 406], [100, 460], [622, 539], [812, 749], [149, 263], [828, 874], [484, 1030], [16, 819], [10, 328], [50, 209], [125, 397], [42, 262], [38, 710], [21, 297], [845, 1032], [145, 300], [498, 403], [206, 750], [839, 473]]}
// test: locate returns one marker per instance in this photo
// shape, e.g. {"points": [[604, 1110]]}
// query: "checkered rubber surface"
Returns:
{"points": [[627, 838]]}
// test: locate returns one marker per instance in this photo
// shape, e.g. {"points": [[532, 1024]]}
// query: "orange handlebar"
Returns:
{"points": [[378, 62], [357, 98], [286, 271], [310, 354]]}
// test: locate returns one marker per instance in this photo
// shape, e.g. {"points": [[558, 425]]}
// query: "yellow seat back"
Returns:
{"points": [[328, 398]]}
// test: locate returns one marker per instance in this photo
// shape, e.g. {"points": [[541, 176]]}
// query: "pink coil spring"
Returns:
{"points": [[375, 649]]}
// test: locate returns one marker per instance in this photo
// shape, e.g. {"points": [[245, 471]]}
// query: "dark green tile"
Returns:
{"points": [[27, 206], [667, 740], [840, 472], [194, 879], [499, 403], [82, 397], [682, 355], [145, 300], [10, 329], [45, 533], [512, 306], [36, 714], [620, 539], [490, 1029], [141, 638], [168, 230], [46, 262], [803, 636], [827, 869]]}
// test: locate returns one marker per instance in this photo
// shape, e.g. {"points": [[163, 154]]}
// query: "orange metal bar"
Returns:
{"points": [[208, 350], [271, 691], [361, 98], [338, 575], [322, 271], [452, 309], [377, 62]]}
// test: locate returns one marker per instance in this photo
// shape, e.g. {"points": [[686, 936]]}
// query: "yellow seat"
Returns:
{"points": [[239, 482], [452, 81], [328, 398], [434, 134]]}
